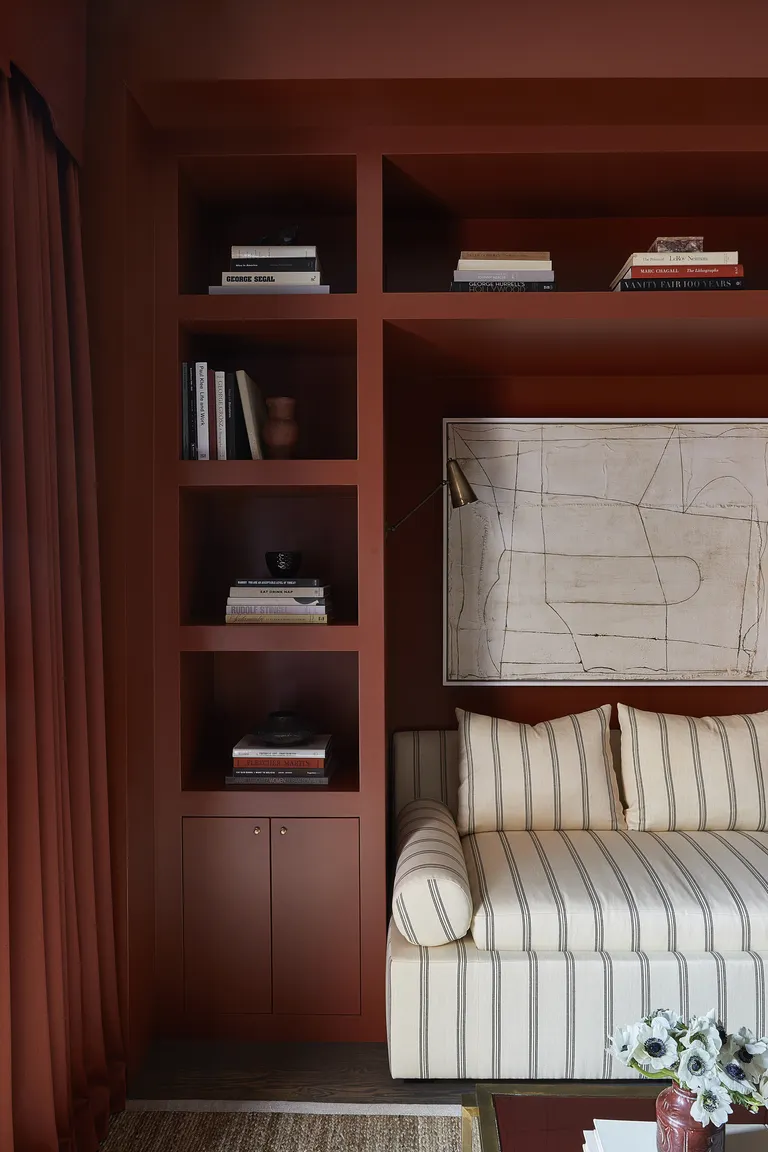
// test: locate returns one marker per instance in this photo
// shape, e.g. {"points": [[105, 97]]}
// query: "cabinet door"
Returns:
{"points": [[227, 955], [316, 916]]}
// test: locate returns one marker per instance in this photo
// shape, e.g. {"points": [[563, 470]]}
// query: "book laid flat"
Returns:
{"points": [[276, 264], [489, 255], [680, 283], [502, 286], [505, 274], [280, 781], [287, 773], [271, 251], [279, 596], [274, 289], [251, 745], [272, 764], [270, 278], [685, 270], [252, 618], [288, 582], [467, 264], [254, 608]]}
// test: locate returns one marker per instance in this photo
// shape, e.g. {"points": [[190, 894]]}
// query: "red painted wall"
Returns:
{"points": [[270, 39]]}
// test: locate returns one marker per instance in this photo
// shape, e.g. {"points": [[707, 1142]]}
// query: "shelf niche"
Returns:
{"points": [[590, 210], [240, 199], [316, 364], [224, 533], [225, 695]]}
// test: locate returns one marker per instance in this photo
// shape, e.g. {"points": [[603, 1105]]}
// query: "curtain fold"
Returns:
{"points": [[61, 1052]]}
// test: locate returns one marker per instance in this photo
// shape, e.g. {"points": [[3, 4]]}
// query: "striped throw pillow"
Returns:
{"points": [[681, 772], [519, 777], [431, 900]]}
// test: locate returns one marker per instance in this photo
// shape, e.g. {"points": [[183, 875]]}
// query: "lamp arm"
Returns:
{"points": [[391, 527]]}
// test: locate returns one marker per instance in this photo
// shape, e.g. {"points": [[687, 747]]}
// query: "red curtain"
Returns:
{"points": [[61, 1053]]}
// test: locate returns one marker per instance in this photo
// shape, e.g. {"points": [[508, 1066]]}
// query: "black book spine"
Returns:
{"points": [[681, 283], [275, 782], [503, 286], [289, 773], [300, 582], [184, 412], [191, 400], [275, 264]]}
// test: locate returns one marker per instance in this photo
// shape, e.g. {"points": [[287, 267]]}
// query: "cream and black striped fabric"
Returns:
{"points": [[459, 1013], [426, 764], [619, 891], [694, 773], [431, 900], [557, 774]]}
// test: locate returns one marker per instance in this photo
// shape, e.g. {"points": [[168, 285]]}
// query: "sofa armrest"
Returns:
{"points": [[431, 900]]}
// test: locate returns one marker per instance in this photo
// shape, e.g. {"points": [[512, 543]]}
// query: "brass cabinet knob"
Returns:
{"points": [[256, 830], [283, 830]]}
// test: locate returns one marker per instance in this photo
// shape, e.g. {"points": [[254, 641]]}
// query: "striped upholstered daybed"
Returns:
{"points": [[513, 954]]}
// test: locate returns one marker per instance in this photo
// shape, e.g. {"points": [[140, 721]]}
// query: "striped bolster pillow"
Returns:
{"points": [[431, 901], [704, 773]]}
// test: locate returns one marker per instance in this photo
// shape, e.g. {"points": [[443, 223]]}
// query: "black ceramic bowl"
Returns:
{"points": [[285, 728]]}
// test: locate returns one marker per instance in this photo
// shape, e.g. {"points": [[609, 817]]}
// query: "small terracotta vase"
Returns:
{"points": [[676, 1129], [281, 431]]}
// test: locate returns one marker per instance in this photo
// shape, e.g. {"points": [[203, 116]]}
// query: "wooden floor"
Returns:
{"points": [[341, 1073]]}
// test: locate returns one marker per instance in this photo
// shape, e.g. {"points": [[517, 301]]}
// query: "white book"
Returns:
{"points": [[272, 251], [203, 425], [254, 411], [266, 595], [268, 289], [504, 265], [640, 1136], [504, 274], [250, 745], [270, 277], [662, 259], [240, 608], [221, 414], [590, 1142]]}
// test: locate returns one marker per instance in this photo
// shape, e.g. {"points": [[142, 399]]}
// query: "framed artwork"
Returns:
{"points": [[607, 551]]}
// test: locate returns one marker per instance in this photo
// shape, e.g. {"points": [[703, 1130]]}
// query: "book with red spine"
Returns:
{"points": [[686, 270]]}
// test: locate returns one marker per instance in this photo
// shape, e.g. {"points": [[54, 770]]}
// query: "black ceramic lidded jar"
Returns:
{"points": [[284, 728], [283, 565]]}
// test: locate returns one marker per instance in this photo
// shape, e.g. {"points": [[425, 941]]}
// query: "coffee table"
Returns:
{"points": [[544, 1116]]}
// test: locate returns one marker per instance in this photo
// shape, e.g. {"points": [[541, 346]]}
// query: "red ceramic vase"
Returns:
{"points": [[676, 1129], [281, 431]]}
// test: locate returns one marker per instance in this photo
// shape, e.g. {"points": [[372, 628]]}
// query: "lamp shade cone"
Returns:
{"points": [[460, 488]]}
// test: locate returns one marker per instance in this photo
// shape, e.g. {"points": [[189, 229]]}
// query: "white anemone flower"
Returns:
{"points": [[705, 1029], [697, 1067], [623, 1043], [712, 1106], [749, 1051], [673, 1020], [654, 1048], [735, 1077], [761, 1091]]}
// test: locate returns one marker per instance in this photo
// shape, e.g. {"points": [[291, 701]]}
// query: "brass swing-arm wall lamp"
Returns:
{"points": [[460, 489]]}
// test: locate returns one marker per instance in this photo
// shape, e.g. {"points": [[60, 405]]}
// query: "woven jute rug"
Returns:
{"points": [[280, 1132]]}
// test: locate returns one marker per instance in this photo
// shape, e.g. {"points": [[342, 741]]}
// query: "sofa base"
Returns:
{"points": [[454, 1012]]}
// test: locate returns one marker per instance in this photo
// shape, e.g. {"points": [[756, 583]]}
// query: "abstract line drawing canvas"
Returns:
{"points": [[607, 551]]}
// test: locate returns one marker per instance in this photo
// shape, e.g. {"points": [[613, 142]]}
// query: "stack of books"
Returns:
{"points": [[504, 272], [265, 765], [270, 268], [303, 600], [679, 264], [222, 414], [640, 1136]]}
